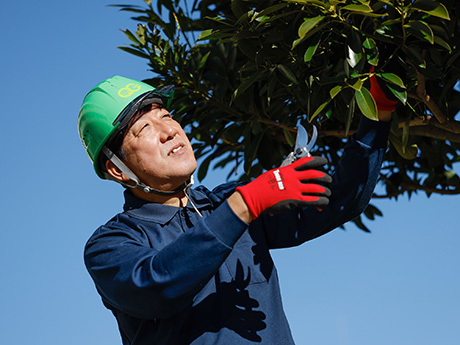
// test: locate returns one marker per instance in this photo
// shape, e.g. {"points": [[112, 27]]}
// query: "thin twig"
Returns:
{"points": [[409, 187], [277, 124]]}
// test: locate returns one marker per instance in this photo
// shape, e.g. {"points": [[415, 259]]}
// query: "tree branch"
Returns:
{"points": [[277, 124], [414, 187], [422, 96], [421, 127], [443, 122], [435, 132]]}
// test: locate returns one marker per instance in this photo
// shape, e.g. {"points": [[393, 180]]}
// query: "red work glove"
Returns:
{"points": [[281, 189], [382, 99]]}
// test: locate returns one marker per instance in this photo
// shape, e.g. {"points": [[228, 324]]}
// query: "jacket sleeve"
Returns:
{"points": [[352, 186], [152, 283]]}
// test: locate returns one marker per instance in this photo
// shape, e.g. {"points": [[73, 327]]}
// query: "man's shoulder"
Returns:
{"points": [[116, 223], [219, 193]]}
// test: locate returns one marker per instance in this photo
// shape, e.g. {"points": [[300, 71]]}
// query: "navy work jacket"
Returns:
{"points": [[172, 277]]}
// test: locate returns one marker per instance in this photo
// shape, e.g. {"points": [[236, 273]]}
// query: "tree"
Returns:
{"points": [[248, 71]]}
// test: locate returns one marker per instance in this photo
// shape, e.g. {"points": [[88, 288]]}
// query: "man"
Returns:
{"points": [[192, 266]]}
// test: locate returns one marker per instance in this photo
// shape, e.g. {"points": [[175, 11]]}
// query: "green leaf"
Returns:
{"points": [[256, 128], [388, 2], [392, 78], [232, 133], [131, 36], [204, 166], [269, 10], [442, 43], [449, 174], [395, 85], [316, 3], [405, 135], [263, 20], [358, 8], [369, 43], [452, 178], [245, 18], [289, 137], [420, 29], [250, 151], [431, 7], [408, 153], [315, 30], [359, 223], [366, 103], [453, 58], [248, 48], [372, 54], [353, 58], [135, 52], [319, 110], [204, 59], [335, 91], [238, 8], [140, 33], [350, 115], [287, 73], [246, 84], [297, 42], [308, 24], [204, 35], [414, 55], [399, 93], [310, 52], [371, 211], [357, 85], [356, 44]]}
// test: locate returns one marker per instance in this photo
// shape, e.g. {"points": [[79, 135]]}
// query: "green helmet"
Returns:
{"points": [[109, 106]]}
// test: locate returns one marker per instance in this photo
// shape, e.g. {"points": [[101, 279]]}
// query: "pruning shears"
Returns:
{"points": [[302, 146]]}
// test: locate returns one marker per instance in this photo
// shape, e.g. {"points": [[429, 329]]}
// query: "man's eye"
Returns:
{"points": [[145, 125]]}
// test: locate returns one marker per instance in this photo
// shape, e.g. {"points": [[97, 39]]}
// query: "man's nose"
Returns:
{"points": [[168, 132]]}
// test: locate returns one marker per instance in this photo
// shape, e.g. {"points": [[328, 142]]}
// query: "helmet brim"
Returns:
{"points": [[162, 96]]}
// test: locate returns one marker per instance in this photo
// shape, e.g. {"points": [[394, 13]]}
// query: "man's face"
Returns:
{"points": [[157, 149]]}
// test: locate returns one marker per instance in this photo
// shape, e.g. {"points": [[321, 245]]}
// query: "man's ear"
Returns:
{"points": [[115, 172]]}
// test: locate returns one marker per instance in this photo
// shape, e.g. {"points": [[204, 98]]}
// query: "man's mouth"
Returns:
{"points": [[174, 150]]}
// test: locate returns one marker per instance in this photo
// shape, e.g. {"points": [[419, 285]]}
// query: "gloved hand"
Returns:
{"points": [[383, 100], [288, 187]]}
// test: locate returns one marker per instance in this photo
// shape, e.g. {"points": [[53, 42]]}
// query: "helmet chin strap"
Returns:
{"points": [[141, 186], [185, 187]]}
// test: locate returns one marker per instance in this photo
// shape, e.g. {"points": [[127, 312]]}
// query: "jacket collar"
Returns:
{"points": [[159, 213]]}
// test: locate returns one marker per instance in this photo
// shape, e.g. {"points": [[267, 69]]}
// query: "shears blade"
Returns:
{"points": [[301, 140], [302, 146], [312, 142]]}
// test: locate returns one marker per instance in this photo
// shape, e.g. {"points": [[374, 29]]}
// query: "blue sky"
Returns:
{"points": [[398, 285]]}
